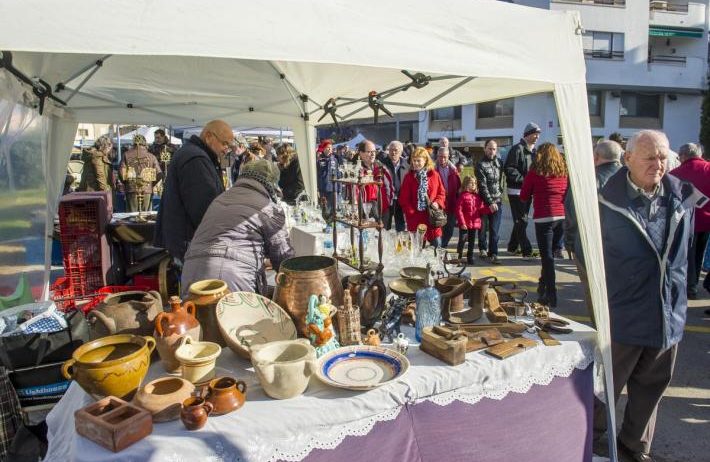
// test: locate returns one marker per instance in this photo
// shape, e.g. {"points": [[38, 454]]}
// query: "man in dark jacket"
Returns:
{"points": [[398, 168], [194, 179], [520, 158], [647, 224], [162, 149], [489, 172], [327, 170], [452, 183]]}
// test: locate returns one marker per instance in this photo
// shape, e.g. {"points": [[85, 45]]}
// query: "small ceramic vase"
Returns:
{"points": [[372, 338], [163, 397], [205, 295], [226, 394], [197, 359], [169, 329], [194, 413], [401, 344]]}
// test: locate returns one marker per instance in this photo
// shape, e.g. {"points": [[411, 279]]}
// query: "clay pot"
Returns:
{"points": [[372, 338], [197, 359], [226, 394], [163, 397], [301, 277], [284, 368], [169, 329], [194, 413], [114, 365], [205, 295], [125, 313]]}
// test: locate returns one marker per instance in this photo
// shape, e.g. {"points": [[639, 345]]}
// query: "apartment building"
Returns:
{"points": [[647, 65]]}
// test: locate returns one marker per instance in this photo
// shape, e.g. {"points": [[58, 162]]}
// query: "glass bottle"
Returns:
{"points": [[428, 303]]}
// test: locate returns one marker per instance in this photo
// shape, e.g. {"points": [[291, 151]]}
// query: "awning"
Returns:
{"points": [[669, 31]]}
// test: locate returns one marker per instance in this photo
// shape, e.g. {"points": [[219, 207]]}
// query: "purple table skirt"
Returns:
{"points": [[549, 423]]}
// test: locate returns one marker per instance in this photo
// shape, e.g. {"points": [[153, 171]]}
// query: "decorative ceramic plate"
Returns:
{"points": [[361, 367], [413, 272], [406, 287], [247, 319]]}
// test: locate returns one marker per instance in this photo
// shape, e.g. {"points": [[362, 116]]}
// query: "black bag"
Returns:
{"points": [[437, 216]]}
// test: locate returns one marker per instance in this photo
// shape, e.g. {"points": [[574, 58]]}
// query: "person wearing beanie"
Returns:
{"points": [[131, 172], [241, 228], [516, 167]]}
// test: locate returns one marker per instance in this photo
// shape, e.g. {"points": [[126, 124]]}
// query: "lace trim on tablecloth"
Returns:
{"points": [[542, 375]]}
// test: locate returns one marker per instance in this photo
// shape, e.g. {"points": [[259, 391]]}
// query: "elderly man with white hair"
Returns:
{"points": [[455, 156], [647, 224], [398, 168]]}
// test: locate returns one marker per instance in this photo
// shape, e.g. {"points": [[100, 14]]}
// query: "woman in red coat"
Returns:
{"points": [[546, 183], [420, 183]]}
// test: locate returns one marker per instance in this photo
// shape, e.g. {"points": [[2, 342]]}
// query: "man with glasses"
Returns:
{"points": [[367, 152], [194, 179], [398, 168]]}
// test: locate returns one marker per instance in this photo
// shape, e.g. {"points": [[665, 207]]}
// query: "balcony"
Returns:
{"points": [[604, 54], [677, 14], [620, 3], [672, 60]]}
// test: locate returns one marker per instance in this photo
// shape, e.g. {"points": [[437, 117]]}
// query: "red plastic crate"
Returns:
{"points": [[148, 280], [66, 300]]}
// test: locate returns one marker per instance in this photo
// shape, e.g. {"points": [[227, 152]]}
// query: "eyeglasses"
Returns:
{"points": [[225, 144]]}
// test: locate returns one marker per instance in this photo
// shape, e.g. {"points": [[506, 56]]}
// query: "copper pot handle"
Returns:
{"points": [[279, 281]]}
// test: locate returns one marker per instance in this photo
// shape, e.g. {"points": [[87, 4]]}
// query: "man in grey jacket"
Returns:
{"points": [[647, 224]]}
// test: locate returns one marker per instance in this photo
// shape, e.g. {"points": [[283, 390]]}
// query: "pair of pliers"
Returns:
{"points": [[553, 325]]}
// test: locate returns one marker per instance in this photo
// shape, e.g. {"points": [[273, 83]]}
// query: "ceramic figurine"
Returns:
{"points": [[373, 338], [349, 321], [320, 325], [392, 318], [401, 343]]}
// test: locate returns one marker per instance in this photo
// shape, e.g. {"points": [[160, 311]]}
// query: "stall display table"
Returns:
{"points": [[535, 406]]}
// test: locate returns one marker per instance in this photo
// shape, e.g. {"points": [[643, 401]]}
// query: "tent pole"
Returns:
{"points": [[444, 93]]}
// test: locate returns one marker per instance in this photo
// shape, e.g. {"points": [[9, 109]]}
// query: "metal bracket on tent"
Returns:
{"points": [[329, 108], [41, 89], [375, 103], [98, 63]]}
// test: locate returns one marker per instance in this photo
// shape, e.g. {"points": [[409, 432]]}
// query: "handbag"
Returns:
{"points": [[437, 216]]}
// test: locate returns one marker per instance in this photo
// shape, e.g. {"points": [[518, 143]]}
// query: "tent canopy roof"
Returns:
{"points": [[197, 60]]}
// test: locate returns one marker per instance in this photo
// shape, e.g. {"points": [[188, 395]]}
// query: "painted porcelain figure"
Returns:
{"points": [[320, 325]]}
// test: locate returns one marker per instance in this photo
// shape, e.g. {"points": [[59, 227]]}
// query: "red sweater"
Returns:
{"points": [[408, 201], [469, 208], [697, 172], [548, 193]]}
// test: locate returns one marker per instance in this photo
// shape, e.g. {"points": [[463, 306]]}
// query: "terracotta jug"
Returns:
{"points": [[373, 338], [226, 394], [125, 313], [194, 413], [170, 327], [205, 295]]}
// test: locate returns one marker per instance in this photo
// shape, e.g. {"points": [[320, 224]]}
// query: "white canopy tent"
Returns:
{"points": [[289, 58]]}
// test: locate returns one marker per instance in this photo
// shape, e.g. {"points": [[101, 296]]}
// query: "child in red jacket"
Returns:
{"points": [[469, 208]]}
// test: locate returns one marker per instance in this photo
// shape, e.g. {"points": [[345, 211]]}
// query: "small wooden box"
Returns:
{"points": [[113, 423], [451, 350]]}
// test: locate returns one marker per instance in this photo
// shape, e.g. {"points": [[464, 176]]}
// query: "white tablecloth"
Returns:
{"points": [[267, 430]]}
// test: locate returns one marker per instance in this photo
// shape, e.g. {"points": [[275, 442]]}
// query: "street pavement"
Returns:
{"points": [[683, 425]]}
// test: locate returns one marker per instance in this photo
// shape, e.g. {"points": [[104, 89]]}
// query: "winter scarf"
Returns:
{"points": [[422, 193]]}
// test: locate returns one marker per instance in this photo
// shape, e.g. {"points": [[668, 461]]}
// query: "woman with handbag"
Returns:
{"points": [[422, 197]]}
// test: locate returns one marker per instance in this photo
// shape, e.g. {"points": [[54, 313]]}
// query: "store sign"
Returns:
{"points": [[660, 31]]}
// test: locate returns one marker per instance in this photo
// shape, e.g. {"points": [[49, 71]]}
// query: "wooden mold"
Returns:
{"points": [[445, 344], [503, 327], [511, 347], [494, 312], [483, 339], [113, 423]]}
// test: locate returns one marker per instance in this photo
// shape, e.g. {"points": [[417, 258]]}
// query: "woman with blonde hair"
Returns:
{"points": [[291, 180], [422, 185], [546, 183]]}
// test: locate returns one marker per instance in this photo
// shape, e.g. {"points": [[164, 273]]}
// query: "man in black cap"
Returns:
{"points": [[517, 164]]}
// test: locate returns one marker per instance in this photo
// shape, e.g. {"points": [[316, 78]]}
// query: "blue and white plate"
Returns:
{"points": [[361, 367]]}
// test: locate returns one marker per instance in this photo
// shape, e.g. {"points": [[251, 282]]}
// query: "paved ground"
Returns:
{"points": [[683, 427]]}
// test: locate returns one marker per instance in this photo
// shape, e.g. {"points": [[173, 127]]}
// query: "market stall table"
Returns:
{"points": [[535, 406]]}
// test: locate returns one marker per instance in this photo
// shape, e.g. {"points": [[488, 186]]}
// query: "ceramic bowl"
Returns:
{"points": [[163, 397], [406, 287], [361, 367], [247, 319], [284, 368], [110, 366], [198, 359], [413, 272]]}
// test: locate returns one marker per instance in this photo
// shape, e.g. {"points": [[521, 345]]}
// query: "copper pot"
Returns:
{"points": [[301, 277], [205, 295]]}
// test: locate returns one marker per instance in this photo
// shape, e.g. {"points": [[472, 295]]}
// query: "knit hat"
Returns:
{"points": [[265, 172], [531, 128], [139, 140]]}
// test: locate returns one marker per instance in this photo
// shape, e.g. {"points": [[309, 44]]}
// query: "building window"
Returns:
{"points": [[595, 102], [495, 114], [640, 110], [446, 113], [603, 45], [83, 132]]}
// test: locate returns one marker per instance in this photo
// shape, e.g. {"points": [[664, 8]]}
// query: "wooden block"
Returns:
{"points": [[451, 350], [494, 312], [503, 327], [483, 339], [113, 423], [548, 339], [511, 347]]}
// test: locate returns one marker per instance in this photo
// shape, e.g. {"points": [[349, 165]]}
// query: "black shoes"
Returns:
{"points": [[627, 455]]}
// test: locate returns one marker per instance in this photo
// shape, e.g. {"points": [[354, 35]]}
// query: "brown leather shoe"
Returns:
{"points": [[627, 455]]}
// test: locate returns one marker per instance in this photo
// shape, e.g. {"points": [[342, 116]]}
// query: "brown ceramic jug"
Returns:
{"points": [[194, 413], [373, 338], [125, 313], [226, 394], [169, 329], [205, 295]]}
